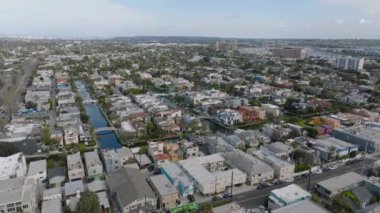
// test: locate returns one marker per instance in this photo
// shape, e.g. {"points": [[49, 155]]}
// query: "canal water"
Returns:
{"points": [[107, 139]]}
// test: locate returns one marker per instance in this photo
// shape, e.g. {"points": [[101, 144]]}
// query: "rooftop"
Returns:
{"points": [[129, 184], [341, 182], [163, 185], [37, 166], [304, 206], [176, 173], [51, 206], [290, 193]]}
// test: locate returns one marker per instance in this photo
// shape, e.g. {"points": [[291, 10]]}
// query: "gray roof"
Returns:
{"points": [[51, 206], [57, 171], [103, 199], [341, 182], [37, 166], [96, 186], [129, 184], [279, 147], [52, 191], [11, 190], [362, 194], [247, 163], [72, 187], [163, 186], [304, 206]]}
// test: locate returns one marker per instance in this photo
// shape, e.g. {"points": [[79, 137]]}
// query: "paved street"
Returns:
{"points": [[254, 199]]}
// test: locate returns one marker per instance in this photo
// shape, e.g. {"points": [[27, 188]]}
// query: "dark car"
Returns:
{"points": [[278, 182], [262, 186], [191, 198], [349, 162], [326, 169], [305, 175], [229, 195]]}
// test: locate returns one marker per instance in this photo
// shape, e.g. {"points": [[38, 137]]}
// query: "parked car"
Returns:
{"points": [[226, 196], [326, 169], [333, 167], [319, 171], [350, 162], [262, 186], [289, 180], [278, 182]]}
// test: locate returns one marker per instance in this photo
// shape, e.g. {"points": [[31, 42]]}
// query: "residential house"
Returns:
{"points": [[38, 170], [111, 160], [257, 171], [167, 193], [71, 135], [125, 156], [130, 191], [75, 169], [176, 176], [286, 196], [56, 176], [94, 166]]}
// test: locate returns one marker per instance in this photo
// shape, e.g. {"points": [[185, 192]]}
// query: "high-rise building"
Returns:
{"points": [[289, 53], [349, 63], [225, 46]]}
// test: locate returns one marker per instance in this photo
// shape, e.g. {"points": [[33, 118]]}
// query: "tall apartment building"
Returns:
{"points": [[289, 53], [349, 63], [225, 46], [12, 166], [18, 195]]}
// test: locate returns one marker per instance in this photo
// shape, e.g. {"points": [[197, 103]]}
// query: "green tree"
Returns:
{"points": [[311, 132], [353, 154], [31, 105], [46, 135], [88, 203]]}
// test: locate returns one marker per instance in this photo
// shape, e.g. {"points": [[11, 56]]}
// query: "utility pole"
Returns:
{"points": [[365, 152], [216, 180], [309, 178], [232, 183]]}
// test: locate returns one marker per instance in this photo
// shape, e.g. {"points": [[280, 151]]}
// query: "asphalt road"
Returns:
{"points": [[13, 104], [253, 199]]}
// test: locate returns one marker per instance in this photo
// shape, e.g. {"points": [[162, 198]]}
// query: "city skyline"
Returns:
{"points": [[227, 18]]}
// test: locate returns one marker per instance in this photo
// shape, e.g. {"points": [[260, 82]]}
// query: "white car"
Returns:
{"points": [[319, 171], [289, 180], [333, 167]]}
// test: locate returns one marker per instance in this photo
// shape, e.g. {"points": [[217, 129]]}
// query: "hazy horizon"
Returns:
{"points": [[246, 19]]}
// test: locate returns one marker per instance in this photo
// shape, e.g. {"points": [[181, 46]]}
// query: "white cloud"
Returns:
{"points": [[364, 21], [339, 21]]}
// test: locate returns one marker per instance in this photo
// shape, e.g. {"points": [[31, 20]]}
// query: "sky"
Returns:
{"points": [[216, 18]]}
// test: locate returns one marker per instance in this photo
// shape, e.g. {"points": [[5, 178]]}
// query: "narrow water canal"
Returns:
{"points": [[107, 139]]}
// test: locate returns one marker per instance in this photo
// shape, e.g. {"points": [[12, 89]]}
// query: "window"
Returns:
{"points": [[11, 209], [25, 206]]}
